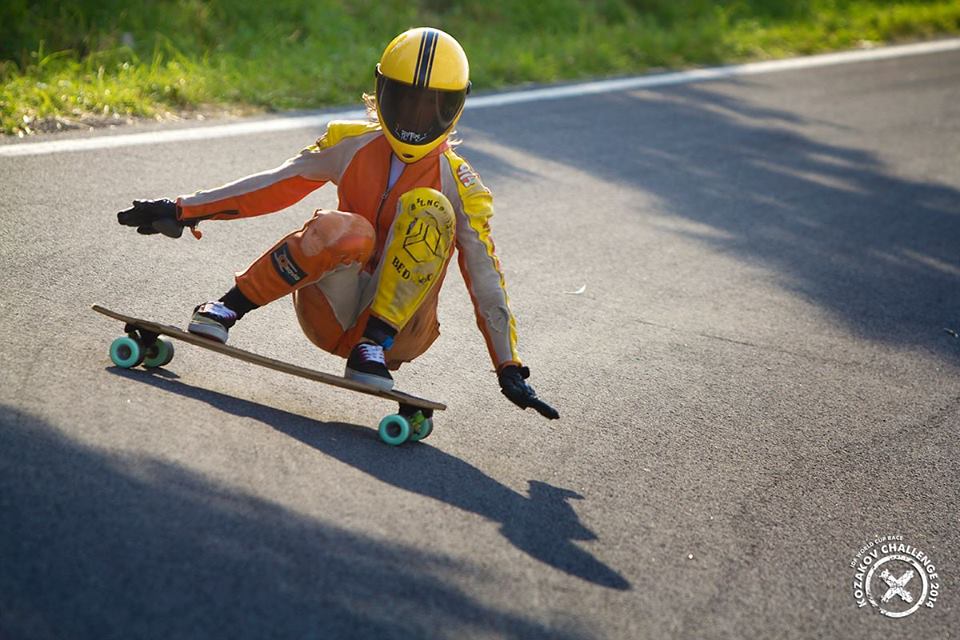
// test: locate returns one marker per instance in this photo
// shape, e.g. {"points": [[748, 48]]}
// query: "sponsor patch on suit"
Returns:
{"points": [[286, 266]]}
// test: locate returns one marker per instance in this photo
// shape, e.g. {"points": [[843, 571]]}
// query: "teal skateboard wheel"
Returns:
{"points": [[125, 352], [394, 429], [159, 354]]}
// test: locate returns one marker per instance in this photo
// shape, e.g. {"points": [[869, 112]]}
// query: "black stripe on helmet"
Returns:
{"points": [[416, 70], [428, 49], [433, 55]]}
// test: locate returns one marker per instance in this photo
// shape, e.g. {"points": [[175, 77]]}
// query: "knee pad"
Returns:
{"points": [[425, 220], [415, 255]]}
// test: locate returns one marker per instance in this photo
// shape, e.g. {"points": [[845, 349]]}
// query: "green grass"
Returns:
{"points": [[106, 60]]}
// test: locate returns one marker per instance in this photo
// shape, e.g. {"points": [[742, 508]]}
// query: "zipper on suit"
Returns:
{"points": [[383, 200]]}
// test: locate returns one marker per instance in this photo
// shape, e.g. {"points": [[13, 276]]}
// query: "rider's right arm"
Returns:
{"points": [[281, 187]]}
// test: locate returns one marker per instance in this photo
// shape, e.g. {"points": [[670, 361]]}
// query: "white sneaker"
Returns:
{"points": [[212, 320]]}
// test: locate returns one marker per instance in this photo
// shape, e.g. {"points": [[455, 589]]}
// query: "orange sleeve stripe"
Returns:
{"points": [[270, 198]]}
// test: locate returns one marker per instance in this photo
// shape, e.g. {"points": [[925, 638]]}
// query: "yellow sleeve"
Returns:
{"points": [[478, 259]]}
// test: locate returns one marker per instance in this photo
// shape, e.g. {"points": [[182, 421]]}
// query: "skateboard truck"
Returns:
{"points": [[145, 336], [419, 419]]}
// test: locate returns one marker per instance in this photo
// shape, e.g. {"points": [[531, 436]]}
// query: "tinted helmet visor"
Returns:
{"points": [[417, 115]]}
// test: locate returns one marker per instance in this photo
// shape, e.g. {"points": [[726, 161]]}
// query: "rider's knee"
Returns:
{"points": [[348, 236]]}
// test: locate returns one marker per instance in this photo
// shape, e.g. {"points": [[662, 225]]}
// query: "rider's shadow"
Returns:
{"points": [[542, 523]]}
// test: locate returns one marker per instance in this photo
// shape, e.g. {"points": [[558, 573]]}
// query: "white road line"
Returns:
{"points": [[513, 97]]}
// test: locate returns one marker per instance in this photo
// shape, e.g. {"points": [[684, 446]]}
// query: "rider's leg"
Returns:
{"points": [[414, 258], [329, 241]]}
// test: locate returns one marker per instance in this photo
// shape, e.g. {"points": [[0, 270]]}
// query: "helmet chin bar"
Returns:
{"points": [[410, 153]]}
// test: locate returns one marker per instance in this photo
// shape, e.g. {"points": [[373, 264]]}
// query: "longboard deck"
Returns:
{"points": [[270, 363]]}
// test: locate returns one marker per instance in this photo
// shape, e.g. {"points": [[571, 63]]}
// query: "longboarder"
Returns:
{"points": [[365, 278]]}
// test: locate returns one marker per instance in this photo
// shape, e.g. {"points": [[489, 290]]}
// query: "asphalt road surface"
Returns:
{"points": [[740, 295]]}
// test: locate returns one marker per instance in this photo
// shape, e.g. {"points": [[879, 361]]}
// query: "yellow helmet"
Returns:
{"points": [[422, 84]]}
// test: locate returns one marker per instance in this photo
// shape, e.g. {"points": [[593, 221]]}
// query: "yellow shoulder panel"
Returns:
{"points": [[339, 130]]}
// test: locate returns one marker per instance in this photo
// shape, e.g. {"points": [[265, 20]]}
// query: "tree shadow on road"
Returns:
{"points": [[96, 545], [843, 228], [542, 524]]}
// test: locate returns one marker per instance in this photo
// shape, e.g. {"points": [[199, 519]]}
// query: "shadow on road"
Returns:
{"points": [[94, 545], [841, 227], [541, 524]]}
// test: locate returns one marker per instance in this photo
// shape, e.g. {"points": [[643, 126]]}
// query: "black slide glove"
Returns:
{"points": [[513, 385], [153, 216]]}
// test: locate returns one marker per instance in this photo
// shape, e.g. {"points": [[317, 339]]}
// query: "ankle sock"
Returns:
{"points": [[379, 331], [237, 302]]}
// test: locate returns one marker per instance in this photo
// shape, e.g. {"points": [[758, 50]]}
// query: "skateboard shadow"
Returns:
{"points": [[542, 524]]}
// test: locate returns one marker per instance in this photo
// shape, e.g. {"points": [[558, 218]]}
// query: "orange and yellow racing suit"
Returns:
{"points": [[385, 250]]}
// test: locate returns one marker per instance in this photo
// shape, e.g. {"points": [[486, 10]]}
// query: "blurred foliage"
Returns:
{"points": [[111, 59]]}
